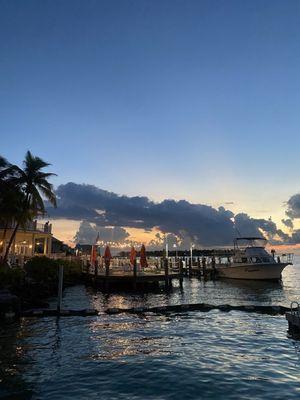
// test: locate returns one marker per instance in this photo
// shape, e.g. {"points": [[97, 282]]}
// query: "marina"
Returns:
{"points": [[245, 261], [149, 200]]}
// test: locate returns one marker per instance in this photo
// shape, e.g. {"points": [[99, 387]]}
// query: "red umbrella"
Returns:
{"points": [[132, 256], [143, 259], [94, 254], [107, 256]]}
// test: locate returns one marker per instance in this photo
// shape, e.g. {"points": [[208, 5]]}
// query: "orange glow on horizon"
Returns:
{"points": [[140, 235]]}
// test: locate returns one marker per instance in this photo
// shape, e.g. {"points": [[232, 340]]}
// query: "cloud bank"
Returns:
{"points": [[109, 214]]}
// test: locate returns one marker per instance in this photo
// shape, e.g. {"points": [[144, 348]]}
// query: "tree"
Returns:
{"points": [[11, 206], [8, 198], [31, 184]]}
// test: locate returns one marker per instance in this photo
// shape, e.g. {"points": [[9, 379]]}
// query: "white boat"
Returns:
{"points": [[250, 260]]}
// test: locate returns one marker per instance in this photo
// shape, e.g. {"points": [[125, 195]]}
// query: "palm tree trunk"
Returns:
{"points": [[15, 229], [4, 231], [10, 242], [3, 241]]}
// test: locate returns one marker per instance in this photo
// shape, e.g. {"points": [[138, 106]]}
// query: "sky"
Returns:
{"points": [[194, 100]]}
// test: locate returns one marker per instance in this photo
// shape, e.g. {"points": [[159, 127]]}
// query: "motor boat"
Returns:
{"points": [[250, 260]]}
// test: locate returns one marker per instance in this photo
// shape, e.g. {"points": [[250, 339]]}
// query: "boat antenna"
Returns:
{"points": [[235, 227], [238, 232]]}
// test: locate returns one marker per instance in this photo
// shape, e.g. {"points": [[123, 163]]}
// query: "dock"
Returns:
{"points": [[160, 272], [125, 277]]}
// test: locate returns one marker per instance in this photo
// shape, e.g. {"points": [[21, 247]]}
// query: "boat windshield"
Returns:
{"points": [[250, 242]]}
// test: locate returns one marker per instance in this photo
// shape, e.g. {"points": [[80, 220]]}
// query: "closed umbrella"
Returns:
{"points": [[132, 256], [93, 255], [94, 251], [143, 259], [107, 258]]}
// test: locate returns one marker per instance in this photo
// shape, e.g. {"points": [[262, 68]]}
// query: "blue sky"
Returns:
{"points": [[169, 99]]}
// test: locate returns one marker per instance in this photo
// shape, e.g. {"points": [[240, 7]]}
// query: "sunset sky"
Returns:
{"points": [[193, 100]]}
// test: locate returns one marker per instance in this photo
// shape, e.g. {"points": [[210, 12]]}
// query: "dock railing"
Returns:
{"points": [[287, 258], [122, 266]]}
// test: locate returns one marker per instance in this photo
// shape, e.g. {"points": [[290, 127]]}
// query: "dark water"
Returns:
{"points": [[190, 355]]}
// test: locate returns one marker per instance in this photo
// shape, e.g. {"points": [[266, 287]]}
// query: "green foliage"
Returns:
{"points": [[11, 277], [44, 269], [72, 269], [41, 269]]}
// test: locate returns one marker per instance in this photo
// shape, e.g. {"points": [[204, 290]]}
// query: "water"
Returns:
{"points": [[190, 355]]}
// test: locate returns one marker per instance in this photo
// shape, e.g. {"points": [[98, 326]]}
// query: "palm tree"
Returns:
{"points": [[33, 184], [7, 199], [10, 206]]}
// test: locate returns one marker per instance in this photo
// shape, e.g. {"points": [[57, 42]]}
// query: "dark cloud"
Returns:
{"points": [[197, 223], [283, 237], [288, 223], [248, 226], [293, 206], [88, 232], [295, 237]]}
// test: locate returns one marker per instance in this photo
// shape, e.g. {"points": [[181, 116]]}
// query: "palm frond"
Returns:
{"points": [[49, 194], [33, 164], [36, 203], [10, 171], [4, 163]]}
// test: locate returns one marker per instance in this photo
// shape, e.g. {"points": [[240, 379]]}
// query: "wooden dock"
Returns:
{"points": [[162, 271], [126, 277]]}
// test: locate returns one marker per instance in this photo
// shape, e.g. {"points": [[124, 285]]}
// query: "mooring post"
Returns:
{"points": [[199, 266], [60, 286], [204, 266], [134, 274], [107, 268], [213, 264], [96, 268], [191, 267], [166, 261], [186, 266], [106, 284], [181, 272]]}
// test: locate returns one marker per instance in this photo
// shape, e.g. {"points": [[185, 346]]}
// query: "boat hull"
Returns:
{"points": [[255, 272]]}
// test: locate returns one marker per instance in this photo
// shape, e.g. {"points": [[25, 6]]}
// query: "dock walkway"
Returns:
{"points": [[127, 277]]}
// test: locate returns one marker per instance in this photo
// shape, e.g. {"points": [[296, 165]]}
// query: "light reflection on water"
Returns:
{"points": [[188, 355]]}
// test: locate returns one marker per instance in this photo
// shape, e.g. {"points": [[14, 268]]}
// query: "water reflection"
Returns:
{"points": [[13, 362], [154, 356], [254, 291], [234, 292]]}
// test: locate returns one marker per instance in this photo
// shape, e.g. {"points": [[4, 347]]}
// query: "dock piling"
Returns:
{"points": [[134, 274], [199, 266], [60, 287], [180, 273], [190, 266], [166, 262]]}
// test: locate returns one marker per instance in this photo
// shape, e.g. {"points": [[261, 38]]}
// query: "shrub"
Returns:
{"points": [[11, 277], [44, 269], [41, 269], [72, 269]]}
